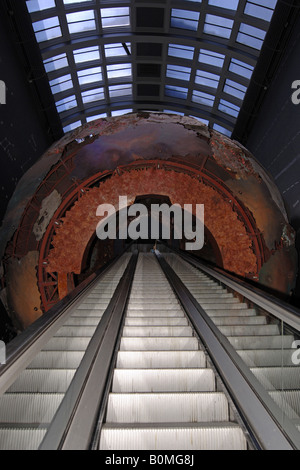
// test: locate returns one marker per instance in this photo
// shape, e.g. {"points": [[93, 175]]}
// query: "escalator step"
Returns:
{"points": [[166, 407], [160, 359], [207, 437], [159, 344], [32, 408], [163, 380]]}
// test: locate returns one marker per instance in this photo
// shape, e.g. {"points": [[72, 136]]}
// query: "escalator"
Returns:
{"points": [[156, 354], [164, 393], [30, 403]]}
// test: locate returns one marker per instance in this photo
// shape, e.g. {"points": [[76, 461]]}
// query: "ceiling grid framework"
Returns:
{"points": [[194, 58]]}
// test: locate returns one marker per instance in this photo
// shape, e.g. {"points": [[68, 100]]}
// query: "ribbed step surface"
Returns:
{"points": [[21, 439], [166, 408], [214, 437], [161, 359], [163, 380]]}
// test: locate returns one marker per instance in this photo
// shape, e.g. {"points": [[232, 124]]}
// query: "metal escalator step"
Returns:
{"points": [[197, 282], [248, 330], [221, 306], [149, 321], [160, 359], [100, 296], [286, 378], [261, 342], [42, 381], [238, 320], [217, 301], [91, 307], [137, 331], [29, 408], [288, 401], [87, 303], [75, 331], [267, 357], [230, 312], [157, 301], [88, 312], [175, 312], [82, 321], [206, 290], [56, 360], [21, 439], [213, 296], [159, 344], [67, 344], [166, 407], [152, 305], [217, 436], [163, 380]]}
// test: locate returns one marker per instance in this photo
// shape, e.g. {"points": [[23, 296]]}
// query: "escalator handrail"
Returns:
{"points": [[260, 413], [22, 349], [276, 307]]}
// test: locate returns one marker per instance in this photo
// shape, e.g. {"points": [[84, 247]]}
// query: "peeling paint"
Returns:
{"points": [[49, 206]]}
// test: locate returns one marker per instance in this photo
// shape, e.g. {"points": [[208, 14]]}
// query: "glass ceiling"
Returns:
{"points": [[106, 58]]}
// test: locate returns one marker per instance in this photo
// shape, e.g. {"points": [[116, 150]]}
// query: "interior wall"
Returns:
{"points": [[275, 137], [24, 134]]}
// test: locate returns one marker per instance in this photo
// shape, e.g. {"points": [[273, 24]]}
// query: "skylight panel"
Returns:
{"points": [[211, 58], [120, 112], [235, 89], [179, 72], [66, 104], [170, 111], [72, 126], [241, 68], [39, 5], [114, 17], [176, 91], [260, 9], [204, 121], [89, 75], [117, 49], [207, 79], [120, 90], [81, 21], [223, 130], [229, 108], [69, 2], [93, 95], [185, 19], [182, 52], [203, 98], [61, 84], [47, 29], [118, 70], [251, 36], [228, 4], [98, 116], [87, 54], [55, 63], [218, 26]]}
